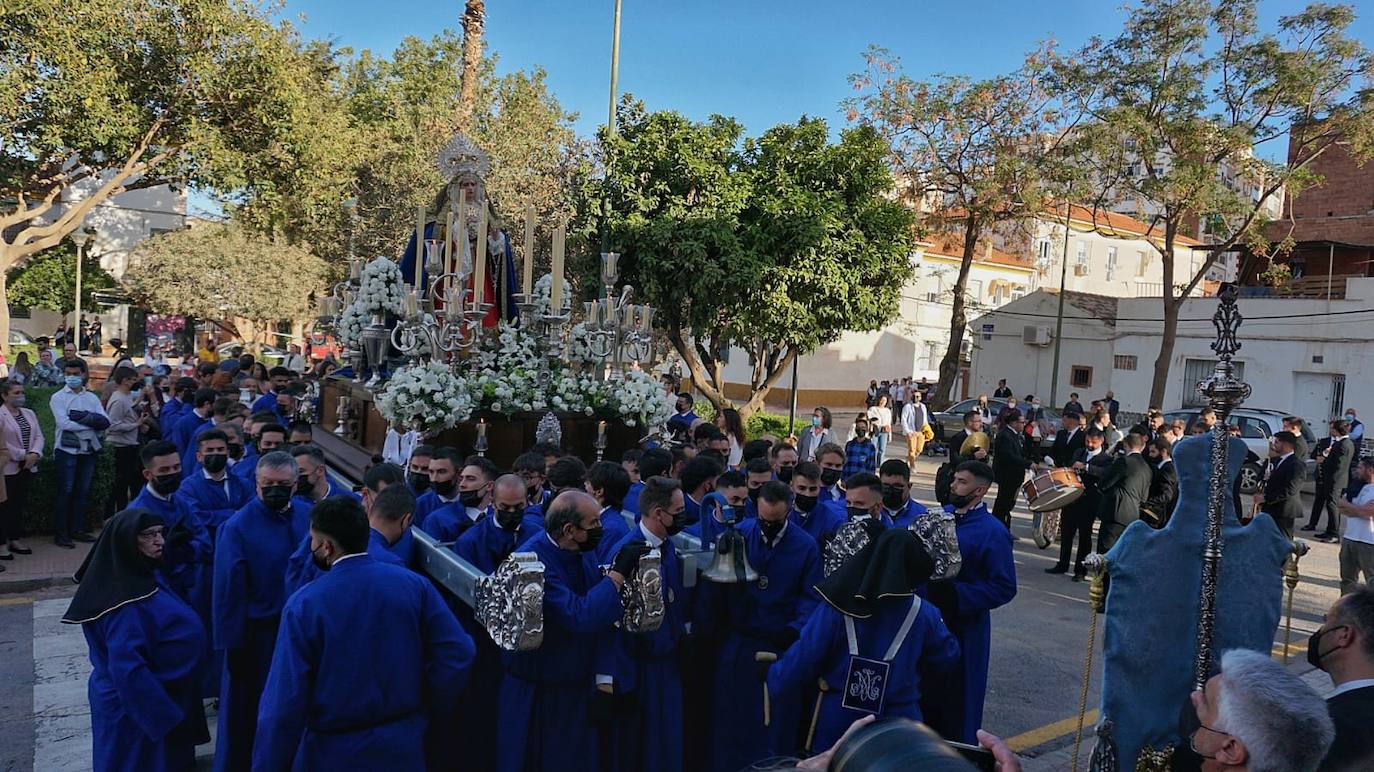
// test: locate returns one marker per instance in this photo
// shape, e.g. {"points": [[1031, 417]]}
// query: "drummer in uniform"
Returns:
{"points": [[1091, 463]]}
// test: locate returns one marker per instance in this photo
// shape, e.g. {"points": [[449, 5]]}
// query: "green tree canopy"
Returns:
{"points": [[48, 280], [778, 244], [225, 271]]}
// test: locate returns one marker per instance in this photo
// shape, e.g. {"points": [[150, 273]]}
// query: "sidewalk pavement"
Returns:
{"points": [[48, 566]]}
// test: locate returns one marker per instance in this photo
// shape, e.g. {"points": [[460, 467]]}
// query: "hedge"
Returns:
{"points": [[37, 517], [758, 424]]}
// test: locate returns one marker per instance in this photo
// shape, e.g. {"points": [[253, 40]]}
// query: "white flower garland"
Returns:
{"points": [[542, 288], [425, 397], [351, 324]]}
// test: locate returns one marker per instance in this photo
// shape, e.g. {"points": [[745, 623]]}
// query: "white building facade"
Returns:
{"points": [[1307, 357]]}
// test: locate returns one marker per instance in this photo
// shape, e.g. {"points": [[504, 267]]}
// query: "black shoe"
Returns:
{"points": [[7, 556], [1077, 577], [1056, 570], [1329, 538], [84, 538], [64, 543], [1308, 528], [21, 550]]}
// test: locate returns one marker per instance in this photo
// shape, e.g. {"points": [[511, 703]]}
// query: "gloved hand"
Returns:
{"points": [[783, 639], [603, 707], [627, 559], [873, 527], [942, 594]]}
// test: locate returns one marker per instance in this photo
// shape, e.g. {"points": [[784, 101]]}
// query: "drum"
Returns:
{"points": [[1054, 489]]}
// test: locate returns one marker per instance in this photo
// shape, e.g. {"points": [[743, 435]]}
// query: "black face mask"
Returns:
{"points": [[235, 451], [419, 481], [679, 522], [1314, 652], [829, 477], [215, 463], [303, 485], [277, 497], [855, 513], [167, 484], [804, 503], [785, 473], [319, 562], [960, 501], [893, 496], [770, 529], [753, 493], [593, 539], [470, 499], [445, 488], [509, 519]]}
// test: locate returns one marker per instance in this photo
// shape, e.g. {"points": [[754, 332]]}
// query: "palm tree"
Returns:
{"points": [[474, 19]]}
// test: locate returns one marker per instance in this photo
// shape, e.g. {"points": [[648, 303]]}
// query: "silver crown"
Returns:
{"points": [[462, 155]]}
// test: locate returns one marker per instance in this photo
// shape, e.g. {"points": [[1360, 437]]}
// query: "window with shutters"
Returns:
{"points": [[1081, 376], [1124, 362]]}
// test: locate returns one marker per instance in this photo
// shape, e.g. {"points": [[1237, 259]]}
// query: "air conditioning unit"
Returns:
{"points": [[1080, 269], [1033, 335]]}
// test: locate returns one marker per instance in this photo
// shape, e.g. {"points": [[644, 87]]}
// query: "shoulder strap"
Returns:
{"points": [[897, 642]]}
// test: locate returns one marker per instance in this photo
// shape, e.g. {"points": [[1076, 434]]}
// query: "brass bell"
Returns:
{"points": [[730, 564]]}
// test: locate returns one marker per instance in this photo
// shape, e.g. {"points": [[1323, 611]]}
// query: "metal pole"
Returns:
{"points": [[792, 406], [76, 325], [610, 129], [1059, 314]]}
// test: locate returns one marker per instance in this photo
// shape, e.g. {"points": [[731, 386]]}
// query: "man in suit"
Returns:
{"points": [[1091, 462], [1069, 439], [1112, 406], [1009, 465], [1124, 488], [1159, 505], [973, 424], [1333, 475], [1344, 647], [1293, 424], [1281, 496], [1151, 426]]}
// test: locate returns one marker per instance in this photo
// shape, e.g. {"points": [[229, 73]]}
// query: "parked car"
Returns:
{"points": [[270, 356], [1257, 425], [20, 338], [951, 420]]}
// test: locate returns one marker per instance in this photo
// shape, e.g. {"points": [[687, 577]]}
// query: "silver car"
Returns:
{"points": [[1257, 425]]}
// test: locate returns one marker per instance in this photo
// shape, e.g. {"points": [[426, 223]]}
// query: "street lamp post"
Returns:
{"points": [[80, 237]]}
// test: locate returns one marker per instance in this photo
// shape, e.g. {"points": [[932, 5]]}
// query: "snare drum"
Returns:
{"points": [[1054, 489]]}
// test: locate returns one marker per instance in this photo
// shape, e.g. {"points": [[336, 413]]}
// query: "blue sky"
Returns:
{"points": [[761, 61]]}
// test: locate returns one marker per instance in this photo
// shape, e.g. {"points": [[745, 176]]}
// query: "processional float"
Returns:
{"points": [[1173, 604]]}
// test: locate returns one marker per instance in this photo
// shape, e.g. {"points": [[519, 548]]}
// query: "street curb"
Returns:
{"points": [[13, 586]]}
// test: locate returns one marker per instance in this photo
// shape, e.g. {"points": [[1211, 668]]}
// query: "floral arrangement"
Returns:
{"points": [[507, 379], [639, 400], [351, 323], [382, 287], [543, 287], [426, 397]]}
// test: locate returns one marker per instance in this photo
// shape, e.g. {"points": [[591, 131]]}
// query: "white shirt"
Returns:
{"points": [[62, 403], [1350, 686], [914, 417], [880, 417], [294, 362], [1361, 529], [649, 537]]}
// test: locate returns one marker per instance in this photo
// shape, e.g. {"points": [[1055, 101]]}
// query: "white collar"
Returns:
{"points": [[474, 513], [346, 557], [1350, 686], [649, 537], [1338, 439], [1284, 458], [153, 492], [213, 480], [1162, 462]]}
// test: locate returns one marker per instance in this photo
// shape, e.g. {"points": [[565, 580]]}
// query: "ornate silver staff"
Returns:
{"points": [[1224, 392]]}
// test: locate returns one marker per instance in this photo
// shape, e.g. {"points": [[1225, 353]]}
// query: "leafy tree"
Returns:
{"points": [[225, 271], [47, 280], [103, 96], [1187, 91], [778, 244], [974, 152]]}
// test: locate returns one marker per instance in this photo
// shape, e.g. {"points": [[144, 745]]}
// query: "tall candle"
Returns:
{"points": [[600, 434], [528, 285], [419, 242], [479, 256], [449, 235], [460, 235], [556, 275]]}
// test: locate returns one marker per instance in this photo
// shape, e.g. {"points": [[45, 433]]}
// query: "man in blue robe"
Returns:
{"points": [[987, 579], [608, 482], [761, 617], [546, 694], [646, 679], [757, 472], [176, 407], [731, 485], [189, 421], [784, 459], [365, 656], [251, 553], [819, 522], [531, 468], [278, 377], [212, 492], [188, 552], [898, 506], [698, 479], [312, 480], [417, 469], [653, 462], [486, 545], [444, 466], [224, 410], [475, 483], [391, 542], [830, 458]]}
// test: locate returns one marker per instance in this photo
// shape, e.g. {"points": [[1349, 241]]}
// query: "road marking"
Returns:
{"points": [[1041, 735], [15, 601]]}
